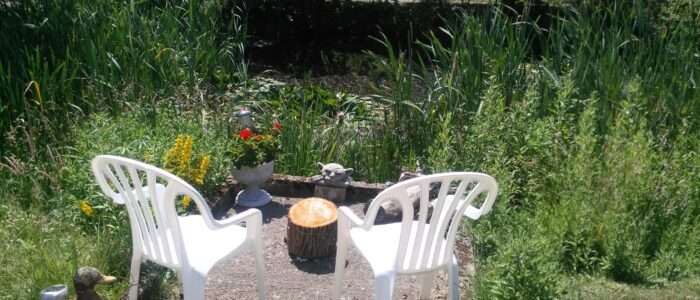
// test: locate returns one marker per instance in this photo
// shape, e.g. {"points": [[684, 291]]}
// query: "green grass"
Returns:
{"points": [[601, 289], [43, 249]]}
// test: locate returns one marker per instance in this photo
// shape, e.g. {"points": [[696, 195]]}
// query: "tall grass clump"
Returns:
{"points": [[588, 126], [60, 60]]}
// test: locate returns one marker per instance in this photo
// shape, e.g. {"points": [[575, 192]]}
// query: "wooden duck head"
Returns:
{"points": [[85, 280]]}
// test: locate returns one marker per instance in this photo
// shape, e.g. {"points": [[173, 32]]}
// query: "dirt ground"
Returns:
{"points": [[288, 278]]}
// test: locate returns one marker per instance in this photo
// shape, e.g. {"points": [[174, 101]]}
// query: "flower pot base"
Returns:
{"points": [[253, 197]]}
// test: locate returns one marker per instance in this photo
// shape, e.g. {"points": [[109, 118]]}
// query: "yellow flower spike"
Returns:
{"points": [[172, 157], [186, 201], [86, 208], [185, 156], [201, 172]]}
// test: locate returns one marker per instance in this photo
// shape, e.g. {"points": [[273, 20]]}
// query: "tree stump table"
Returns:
{"points": [[312, 228]]}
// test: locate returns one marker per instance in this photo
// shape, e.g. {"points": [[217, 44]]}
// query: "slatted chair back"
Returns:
{"points": [[427, 238], [149, 195]]}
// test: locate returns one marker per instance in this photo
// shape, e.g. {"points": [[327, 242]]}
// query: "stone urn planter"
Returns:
{"points": [[253, 178]]}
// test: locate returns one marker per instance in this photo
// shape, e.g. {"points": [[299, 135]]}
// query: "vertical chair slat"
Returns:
{"points": [[130, 200], [146, 204], [454, 224], [406, 222], [138, 238], [452, 214], [426, 245], [418, 227], [160, 219], [441, 216]]}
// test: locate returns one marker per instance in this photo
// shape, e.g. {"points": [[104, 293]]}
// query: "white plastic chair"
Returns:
{"points": [[190, 245], [413, 247]]}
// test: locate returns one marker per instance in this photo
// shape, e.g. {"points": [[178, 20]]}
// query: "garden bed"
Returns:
{"points": [[289, 278]]}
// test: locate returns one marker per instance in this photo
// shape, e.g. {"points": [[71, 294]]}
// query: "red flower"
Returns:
{"points": [[245, 133], [278, 126]]}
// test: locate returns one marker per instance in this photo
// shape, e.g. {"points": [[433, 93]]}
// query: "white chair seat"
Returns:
{"points": [[204, 246], [379, 245]]}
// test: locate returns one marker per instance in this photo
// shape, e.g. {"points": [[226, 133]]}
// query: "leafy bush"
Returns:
{"points": [[522, 272]]}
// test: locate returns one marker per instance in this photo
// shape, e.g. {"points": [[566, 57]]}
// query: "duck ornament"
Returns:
{"points": [[85, 280]]}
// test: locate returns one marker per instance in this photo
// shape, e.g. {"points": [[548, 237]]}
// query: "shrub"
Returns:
{"points": [[522, 271]]}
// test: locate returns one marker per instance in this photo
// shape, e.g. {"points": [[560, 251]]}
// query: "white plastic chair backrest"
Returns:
{"points": [[149, 194], [426, 243]]}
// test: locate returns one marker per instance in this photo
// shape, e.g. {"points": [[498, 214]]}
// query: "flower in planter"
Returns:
{"points": [[245, 133], [252, 148]]}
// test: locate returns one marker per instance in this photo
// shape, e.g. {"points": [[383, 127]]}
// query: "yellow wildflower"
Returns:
{"points": [[185, 156], [173, 154], [186, 200], [201, 172], [86, 208]]}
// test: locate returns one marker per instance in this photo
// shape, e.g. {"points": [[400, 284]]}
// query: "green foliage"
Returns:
{"points": [[524, 273], [61, 60], [589, 138], [441, 153]]}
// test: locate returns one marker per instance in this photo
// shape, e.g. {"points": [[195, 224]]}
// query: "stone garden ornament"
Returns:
{"points": [[333, 181], [333, 174]]}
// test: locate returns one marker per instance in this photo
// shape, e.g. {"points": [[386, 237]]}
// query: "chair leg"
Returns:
{"points": [[453, 280], [384, 286], [134, 276], [340, 257], [260, 269], [426, 285], [193, 285]]}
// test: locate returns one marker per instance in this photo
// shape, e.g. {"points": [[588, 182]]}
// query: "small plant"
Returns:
{"points": [[86, 208], [252, 148], [178, 160]]}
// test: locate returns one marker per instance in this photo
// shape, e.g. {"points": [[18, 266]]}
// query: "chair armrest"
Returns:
{"points": [[252, 217], [346, 215], [471, 212]]}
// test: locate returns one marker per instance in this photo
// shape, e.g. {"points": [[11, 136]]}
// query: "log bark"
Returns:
{"points": [[312, 228]]}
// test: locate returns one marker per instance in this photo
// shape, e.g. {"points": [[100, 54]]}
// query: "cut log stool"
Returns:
{"points": [[312, 229]]}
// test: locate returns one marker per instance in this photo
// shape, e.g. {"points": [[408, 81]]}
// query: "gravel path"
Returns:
{"points": [[313, 279]]}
